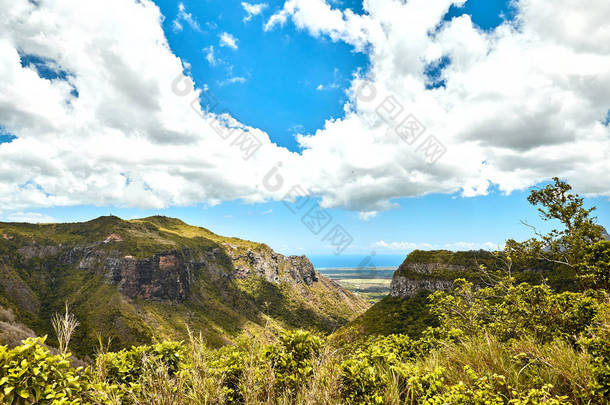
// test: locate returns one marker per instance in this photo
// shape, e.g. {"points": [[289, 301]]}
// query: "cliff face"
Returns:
{"points": [[166, 275], [403, 287], [436, 270], [273, 266], [135, 280]]}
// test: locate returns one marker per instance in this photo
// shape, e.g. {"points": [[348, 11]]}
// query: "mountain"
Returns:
{"points": [[152, 278], [405, 310], [436, 269]]}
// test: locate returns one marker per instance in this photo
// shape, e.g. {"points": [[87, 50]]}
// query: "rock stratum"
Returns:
{"points": [[152, 278], [435, 270]]}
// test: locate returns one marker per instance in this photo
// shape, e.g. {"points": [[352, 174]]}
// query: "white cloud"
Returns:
{"points": [[400, 245], [518, 106], [30, 217], [252, 9], [228, 40], [474, 246], [407, 246], [176, 26], [210, 56], [183, 15], [232, 80], [334, 85]]}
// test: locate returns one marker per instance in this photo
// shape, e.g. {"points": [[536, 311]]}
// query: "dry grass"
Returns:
{"points": [[525, 364], [64, 325]]}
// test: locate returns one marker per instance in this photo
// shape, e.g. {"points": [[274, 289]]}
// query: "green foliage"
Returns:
{"points": [[372, 365], [563, 246], [599, 348], [126, 366], [512, 312], [228, 365], [29, 373], [292, 359], [594, 270], [597, 343], [392, 315]]}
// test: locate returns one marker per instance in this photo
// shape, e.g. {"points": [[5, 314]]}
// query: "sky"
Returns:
{"points": [[363, 129]]}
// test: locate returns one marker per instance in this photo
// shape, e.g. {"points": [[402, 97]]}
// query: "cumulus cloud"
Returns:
{"points": [[252, 9], [132, 134], [228, 40], [519, 104]]}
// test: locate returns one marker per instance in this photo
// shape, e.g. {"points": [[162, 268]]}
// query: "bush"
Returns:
{"points": [[228, 366], [31, 374], [594, 270], [126, 366], [514, 312], [292, 359]]}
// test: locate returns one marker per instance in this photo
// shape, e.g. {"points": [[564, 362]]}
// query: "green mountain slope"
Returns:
{"points": [[405, 310], [140, 280]]}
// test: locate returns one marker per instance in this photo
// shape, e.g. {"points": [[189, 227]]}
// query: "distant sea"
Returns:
{"points": [[321, 262], [366, 275]]}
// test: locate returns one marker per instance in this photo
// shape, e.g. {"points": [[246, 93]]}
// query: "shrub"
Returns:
{"points": [[126, 366], [513, 312], [29, 373], [228, 366], [292, 359], [594, 270]]}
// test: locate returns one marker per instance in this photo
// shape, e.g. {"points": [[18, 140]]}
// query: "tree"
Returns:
{"points": [[594, 270], [566, 246]]}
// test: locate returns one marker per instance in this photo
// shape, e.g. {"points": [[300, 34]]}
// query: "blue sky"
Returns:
{"points": [[278, 72], [282, 70], [287, 81]]}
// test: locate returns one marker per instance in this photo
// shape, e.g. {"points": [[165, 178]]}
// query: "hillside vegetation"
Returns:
{"points": [[499, 342], [140, 280]]}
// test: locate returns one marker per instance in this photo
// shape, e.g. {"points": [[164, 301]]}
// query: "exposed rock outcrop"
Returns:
{"points": [[161, 277], [271, 265], [431, 268], [166, 276], [405, 287], [435, 270]]}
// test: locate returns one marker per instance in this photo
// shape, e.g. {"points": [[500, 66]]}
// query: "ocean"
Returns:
{"points": [[365, 275]]}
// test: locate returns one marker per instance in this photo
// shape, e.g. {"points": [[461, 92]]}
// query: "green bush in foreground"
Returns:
{"points": [[31, 374]]}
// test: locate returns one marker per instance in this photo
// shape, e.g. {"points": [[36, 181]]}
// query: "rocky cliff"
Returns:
{"points": [[436, 270], [141, 279]]}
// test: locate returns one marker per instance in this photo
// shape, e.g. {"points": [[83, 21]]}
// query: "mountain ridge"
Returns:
{"points": [[145, 279]]}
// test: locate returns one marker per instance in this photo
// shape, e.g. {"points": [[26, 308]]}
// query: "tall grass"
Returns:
{"points": [[525, 364], [64, 325]]}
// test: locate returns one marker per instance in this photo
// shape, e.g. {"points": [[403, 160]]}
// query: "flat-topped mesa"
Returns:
{"points": [[435, 270]]}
